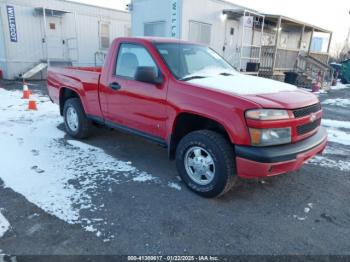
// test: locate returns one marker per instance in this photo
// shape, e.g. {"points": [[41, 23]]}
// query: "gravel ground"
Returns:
{"points": [[306, 212]]}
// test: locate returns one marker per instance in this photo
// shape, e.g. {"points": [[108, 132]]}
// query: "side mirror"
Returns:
{"points": [[147, 74]]}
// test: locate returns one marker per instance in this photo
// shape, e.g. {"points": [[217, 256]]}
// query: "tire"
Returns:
{"points": [[223, 171], [80, 127]]}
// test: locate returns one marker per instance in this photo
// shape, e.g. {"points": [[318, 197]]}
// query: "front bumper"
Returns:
{"points": [[255, 162]]}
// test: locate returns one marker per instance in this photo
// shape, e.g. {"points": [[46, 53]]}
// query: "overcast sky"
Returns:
{"points": [[329, 14]]}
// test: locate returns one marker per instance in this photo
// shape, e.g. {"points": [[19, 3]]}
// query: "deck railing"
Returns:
{"points": [[248, 54], [267, 57], [285, 59], [322, 57]]}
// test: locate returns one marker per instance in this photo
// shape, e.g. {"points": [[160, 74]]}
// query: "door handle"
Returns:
{"points": [[115, 86]]}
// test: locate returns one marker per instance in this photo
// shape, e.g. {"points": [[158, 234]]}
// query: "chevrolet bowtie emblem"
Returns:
{"points": [[313, 118]]}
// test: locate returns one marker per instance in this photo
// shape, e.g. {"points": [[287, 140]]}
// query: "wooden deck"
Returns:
{"points": [[290, 49]]}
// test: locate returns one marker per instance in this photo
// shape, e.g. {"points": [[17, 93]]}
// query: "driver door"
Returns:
{"points": [[133, 105]]}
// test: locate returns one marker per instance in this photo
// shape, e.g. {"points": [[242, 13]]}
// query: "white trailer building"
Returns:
{"points": [[231, 30], [255, 43], [37, 33]]}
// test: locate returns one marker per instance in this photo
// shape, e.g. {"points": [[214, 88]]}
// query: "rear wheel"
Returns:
{"points": [[76, 122], [205, 161]]}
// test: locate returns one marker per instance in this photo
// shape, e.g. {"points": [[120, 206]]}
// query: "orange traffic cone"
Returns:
{"points": [[26, 92], [32, 105]]}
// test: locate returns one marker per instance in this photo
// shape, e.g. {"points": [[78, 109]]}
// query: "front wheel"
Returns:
{"points": [[205, 161]]}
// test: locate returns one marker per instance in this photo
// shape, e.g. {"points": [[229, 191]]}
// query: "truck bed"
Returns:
{"points": [[84, 80]]}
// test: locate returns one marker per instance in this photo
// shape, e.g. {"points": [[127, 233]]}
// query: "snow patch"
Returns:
{"points": [[341, 102], [338, 136], [179, 178], [4, 225], [336, 123], [243, 84], [59, 176], [334, 134], [174, 185], [33, 216], [212, 71], [143, 177], [307, 210], [321, 92], [336, 151], [90, 229], [340, 85], [330, 163], [299, 218]]}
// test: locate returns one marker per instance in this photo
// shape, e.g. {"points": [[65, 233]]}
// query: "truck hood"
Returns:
{"points": [[265, 92]]}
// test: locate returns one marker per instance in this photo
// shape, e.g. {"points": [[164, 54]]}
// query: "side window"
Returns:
{"points": [[132, 56]]}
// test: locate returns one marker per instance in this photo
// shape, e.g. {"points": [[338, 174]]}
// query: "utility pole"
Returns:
{"points": [[348, 38], [348, 43], [346, 48]]}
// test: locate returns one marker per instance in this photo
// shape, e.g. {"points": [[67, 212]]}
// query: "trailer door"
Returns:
{"points": [[54, 39], [231, 45]]}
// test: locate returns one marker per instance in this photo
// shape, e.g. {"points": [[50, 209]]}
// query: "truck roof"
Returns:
{"points": [[156, 40]]}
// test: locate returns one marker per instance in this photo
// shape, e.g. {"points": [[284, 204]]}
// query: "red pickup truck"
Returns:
{"points": [[217, 123]]}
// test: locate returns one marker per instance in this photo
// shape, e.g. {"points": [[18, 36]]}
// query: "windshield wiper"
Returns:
{"points": [[191, 78], [226, 74], [188, 78]]}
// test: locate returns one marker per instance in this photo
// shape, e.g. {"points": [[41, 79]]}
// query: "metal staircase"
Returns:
{"points": [[310, 69]]}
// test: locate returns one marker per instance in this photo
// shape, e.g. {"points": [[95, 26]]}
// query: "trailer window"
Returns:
{"points": [[200, 32], [154, 29], [104, 36], [52, 26]]}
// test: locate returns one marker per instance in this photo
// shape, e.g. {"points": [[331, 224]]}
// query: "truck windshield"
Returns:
{"points": [[190, 61]]}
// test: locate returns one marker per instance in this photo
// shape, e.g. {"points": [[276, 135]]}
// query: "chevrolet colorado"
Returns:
{"points": [[217, 123]]}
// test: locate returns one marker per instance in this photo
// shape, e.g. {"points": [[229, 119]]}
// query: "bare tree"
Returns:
{"points": [[340, 52]]}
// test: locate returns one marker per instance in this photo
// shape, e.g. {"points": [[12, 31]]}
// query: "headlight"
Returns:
{"points": [[270, 137], [267, 114]]}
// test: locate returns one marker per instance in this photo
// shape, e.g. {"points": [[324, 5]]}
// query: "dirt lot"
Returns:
{"points": [[117, 194]]}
